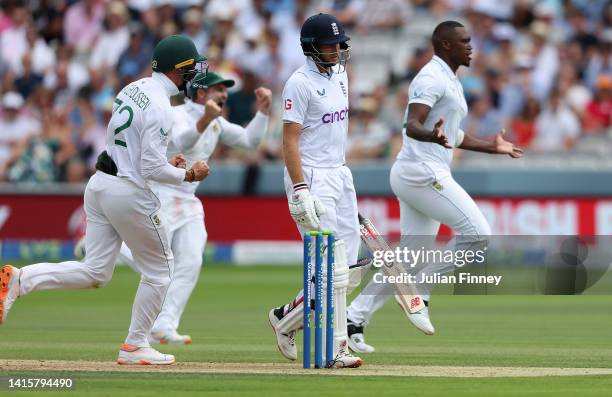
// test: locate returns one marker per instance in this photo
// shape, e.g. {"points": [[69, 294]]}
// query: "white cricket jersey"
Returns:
{"points": [[138, 132], [195, 146], [439, 88], [319, 103]]}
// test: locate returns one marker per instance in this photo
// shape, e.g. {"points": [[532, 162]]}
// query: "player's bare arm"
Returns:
{"points": [[497, 146], [291, 151], [263, 99], [211, 111], [415, 128]]}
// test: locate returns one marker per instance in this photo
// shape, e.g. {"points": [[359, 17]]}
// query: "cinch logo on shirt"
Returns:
{"points": [[335, 116]]}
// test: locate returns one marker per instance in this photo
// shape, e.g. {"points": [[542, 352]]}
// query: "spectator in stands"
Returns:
{"points": [[573, 91], [13, 42], [28, 80], [368, 137], [251, 20], [253, 55], [599, 110], [68, 75], [15, 127], [518, 88], [522, 127], [504, 35], [483, 120], [83, 24], [44, 158], [482, 17], [421, 56], [394, 107], [545, 60], [241, 104], [113, 41], [581, 30], [136, 58], [194, 29], [557, 127], [76, 171], [101, 88], [40, 51], [376, 15], [532, 46], [600, 62]]}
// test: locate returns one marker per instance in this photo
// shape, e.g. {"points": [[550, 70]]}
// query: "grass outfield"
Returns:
{"points": [[227, 318]]}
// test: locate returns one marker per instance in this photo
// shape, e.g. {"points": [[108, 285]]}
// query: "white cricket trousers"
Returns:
{"points": [[187, 236], [117, 210], [422, 208], [334, 187]]}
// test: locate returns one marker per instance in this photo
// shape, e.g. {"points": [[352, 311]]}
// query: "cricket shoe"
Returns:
{"points": [[169, 337], [356, 339], [421, 320], [9, 289], [285, 342], [132, 355], [344, 359]]}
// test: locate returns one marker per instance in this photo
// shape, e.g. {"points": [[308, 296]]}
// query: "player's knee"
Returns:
{"points": [[477, 228], [100, 278], [158, 281]]}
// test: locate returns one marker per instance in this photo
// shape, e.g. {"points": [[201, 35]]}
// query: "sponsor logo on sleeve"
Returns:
{"points": [[288, 104]]}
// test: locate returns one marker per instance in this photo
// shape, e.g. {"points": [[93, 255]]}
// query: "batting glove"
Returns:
{"points": [[305, 208]]}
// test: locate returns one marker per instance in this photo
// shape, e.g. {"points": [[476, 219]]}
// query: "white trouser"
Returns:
{"points": [[422, 209], [117, 210], [187, 234], [334, 187]]}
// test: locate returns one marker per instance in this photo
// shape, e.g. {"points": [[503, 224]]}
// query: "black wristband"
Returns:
{"points": [[300, 186]]}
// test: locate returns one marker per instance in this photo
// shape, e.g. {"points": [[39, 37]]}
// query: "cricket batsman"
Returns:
{"points": [[198, 126], [318, 184], [121, 206], [421, 177]]}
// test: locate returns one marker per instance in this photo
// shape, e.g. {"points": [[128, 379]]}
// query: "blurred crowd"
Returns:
{"points": [[542, 70]]}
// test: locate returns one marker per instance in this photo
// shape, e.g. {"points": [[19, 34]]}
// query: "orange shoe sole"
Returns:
{"points": [[6, 273]]}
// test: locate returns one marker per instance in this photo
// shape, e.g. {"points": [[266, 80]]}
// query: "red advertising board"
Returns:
{"points": [[267, 218]]}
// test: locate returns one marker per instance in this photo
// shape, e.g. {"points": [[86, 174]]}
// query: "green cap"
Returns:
{"points": [[175, 52], [209, 79]]}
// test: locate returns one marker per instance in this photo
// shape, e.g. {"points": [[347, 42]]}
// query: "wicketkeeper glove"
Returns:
{"points": [[305, 208]]}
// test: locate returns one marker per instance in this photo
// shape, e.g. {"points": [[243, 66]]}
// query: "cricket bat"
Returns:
{"points": [[405, 294]]}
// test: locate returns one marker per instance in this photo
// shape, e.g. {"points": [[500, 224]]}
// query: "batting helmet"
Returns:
{"points": [[323, 29]]}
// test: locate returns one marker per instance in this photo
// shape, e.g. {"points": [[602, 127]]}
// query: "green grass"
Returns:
{"points": [[227, 318], [114, 384]]}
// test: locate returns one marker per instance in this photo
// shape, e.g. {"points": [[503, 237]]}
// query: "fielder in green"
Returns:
{"points": [[120, 204]]}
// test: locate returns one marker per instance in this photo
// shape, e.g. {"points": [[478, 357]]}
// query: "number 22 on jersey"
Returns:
{"points": [[119, 137]]}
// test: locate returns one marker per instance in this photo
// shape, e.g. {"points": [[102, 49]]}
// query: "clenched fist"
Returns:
{"points": [[198, 171], [212, 110], [264, 99], [178, 161]]}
